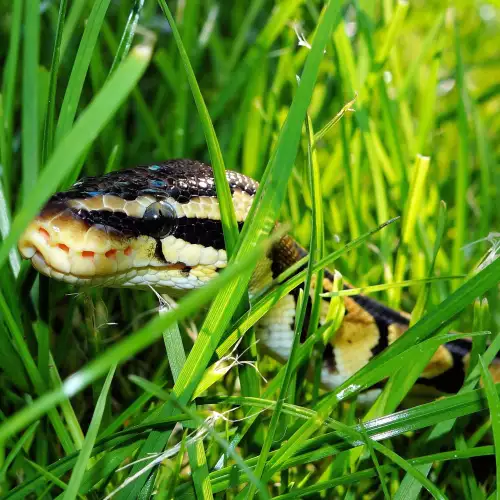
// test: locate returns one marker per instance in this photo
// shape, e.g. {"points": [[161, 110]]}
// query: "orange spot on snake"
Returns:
{"points": [[63, 247], [111, 254], [128, 251], [87, 253], [44, 233]]}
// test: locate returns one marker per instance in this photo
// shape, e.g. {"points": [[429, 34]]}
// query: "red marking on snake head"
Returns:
{"points": [[44, 233]]}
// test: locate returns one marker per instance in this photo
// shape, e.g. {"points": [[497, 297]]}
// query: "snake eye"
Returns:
{"points": [[159, 219]]}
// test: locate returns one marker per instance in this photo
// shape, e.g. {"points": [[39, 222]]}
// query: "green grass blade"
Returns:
{"points": [[80, 67], [9, 95], [423, 297], [33, 372], [463, 168], [30, 136], [494, 405], [415, 201], [50, 477], [48, 139], [77, 7], [378, 288], [283, 392], [376, 463], [177, 358], [16, 450], [207, 425], [128, 35], [84, 455]]}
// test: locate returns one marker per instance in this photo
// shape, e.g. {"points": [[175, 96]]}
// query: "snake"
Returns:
{"points": [[159, 226]]}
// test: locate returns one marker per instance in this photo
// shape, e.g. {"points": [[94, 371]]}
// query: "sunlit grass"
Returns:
{"points": [[89, 87]]}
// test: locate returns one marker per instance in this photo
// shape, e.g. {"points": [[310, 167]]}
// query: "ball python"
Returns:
{"points": [[160, 226]]}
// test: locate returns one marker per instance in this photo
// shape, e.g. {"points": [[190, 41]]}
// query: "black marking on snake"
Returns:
{"points": [[159, 252], [205, 232], [122, 224], [181, 180], [452, 379], [383, 316]]}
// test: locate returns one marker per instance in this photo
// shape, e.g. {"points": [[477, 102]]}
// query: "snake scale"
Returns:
{"points": [[160, 225]]}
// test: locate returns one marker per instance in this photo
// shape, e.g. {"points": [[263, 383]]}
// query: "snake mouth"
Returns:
{"points": [[65, 247], [66, 244], [134, 278]]}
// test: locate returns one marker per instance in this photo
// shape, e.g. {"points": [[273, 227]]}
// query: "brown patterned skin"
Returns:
{"points": [[185, 248]]}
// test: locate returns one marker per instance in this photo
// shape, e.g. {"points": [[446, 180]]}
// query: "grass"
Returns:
{"points": [[89, 87]]}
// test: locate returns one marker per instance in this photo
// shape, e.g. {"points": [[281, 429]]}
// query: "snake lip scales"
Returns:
{"points": [[160, 226]]}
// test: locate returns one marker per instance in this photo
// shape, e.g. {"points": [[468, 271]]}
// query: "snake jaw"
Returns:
{"points": [[61, 242], [65, 247]]}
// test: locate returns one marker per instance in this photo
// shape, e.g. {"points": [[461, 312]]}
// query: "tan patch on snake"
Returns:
{"points": [[179, 250], [276, 328], [441, 362], [262, 276], [494, 368], [355, 339], [200, 207]]}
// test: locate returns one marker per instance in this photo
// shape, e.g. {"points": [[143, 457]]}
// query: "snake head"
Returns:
{"points": [[153, 225]]}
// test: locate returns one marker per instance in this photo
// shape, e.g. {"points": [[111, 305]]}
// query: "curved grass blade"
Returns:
{"points": [[30, 97], [494, 404], [80, 68], [128, 34], [49, 477], [86, 129], [16, 450], [48, 139], [349, 292], [8, 97]]}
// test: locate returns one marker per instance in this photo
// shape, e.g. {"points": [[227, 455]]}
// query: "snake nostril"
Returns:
{"points": [[88, 254], [44, 233], [110, 254], [63, 247]]}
